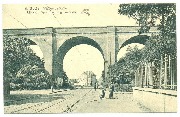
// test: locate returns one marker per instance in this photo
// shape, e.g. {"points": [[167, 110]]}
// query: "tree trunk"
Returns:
{"points": [[6, 88]]}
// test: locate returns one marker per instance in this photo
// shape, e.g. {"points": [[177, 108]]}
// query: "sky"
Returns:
{"points": [[67, 15], [87, 58]]}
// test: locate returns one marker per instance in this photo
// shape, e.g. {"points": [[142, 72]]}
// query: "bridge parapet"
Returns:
{"points": [[76, 30], [31, 31], [133, 29]]}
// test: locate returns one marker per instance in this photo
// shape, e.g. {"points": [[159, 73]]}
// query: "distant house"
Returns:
{"points": [[73, 81], [87, 78]]}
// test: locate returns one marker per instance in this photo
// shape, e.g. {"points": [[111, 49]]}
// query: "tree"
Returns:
{"points": [[128, 64], [132, 58], [18, 57], [146, 16], [161, 44], [15, 53]]}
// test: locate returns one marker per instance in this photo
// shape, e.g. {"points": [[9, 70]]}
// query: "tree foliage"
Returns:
{"points": [[128, 64], [148, 15], [21, 66], [133, 57]]}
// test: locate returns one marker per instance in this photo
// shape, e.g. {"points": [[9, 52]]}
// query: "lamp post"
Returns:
{"points": [[105, 72], [121, 80]]}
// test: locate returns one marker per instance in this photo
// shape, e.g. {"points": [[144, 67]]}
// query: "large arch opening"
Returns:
{"points": [[122, 52], [37, 50], [70, 44], [79, 61], [138, 41], [37, 53], [141, 39]]}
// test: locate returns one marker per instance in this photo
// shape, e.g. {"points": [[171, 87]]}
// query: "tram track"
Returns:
{"points": [[67, 104], [56, 106], [69, 109], [30, 106]]}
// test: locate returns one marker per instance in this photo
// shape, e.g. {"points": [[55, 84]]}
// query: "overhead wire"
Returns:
{"points": [[75, 47], [15, 19], [45, 39]]}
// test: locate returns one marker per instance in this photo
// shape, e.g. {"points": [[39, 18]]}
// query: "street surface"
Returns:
{"points": [[72, 101]]}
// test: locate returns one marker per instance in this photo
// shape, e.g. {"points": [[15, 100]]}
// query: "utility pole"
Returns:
{"points": [[110, 68], [165, 72], [161, 67]]}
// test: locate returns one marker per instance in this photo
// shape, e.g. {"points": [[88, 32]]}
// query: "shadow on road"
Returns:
{"points": [[17, 99]]}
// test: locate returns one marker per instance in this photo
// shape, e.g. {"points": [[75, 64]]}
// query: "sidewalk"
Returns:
{"points": [[123, 103]]}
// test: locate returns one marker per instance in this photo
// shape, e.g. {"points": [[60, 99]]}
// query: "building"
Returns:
{"points": [[87, 78]]}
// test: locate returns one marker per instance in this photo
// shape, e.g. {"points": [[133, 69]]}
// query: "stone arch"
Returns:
{"points": [[32, 42], [141, 39], [35, 43], [45, 48], [66, 46]]}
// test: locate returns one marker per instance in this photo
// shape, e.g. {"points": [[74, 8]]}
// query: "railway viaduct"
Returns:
{"points": [[56, 42]]}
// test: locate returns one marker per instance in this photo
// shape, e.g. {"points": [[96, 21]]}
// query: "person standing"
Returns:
{"points": [[111, 91], [95, 86], [52, 87], [107, 92], [102, 93]]}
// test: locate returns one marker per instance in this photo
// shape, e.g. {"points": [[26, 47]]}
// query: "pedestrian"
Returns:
{"points": [[52, 88], [95, 86], [107, 92], [102, 93], [111, 91], [116, 87]]}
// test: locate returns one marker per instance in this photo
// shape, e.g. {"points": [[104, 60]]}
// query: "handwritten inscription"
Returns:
{"points": [[54, 10]]}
